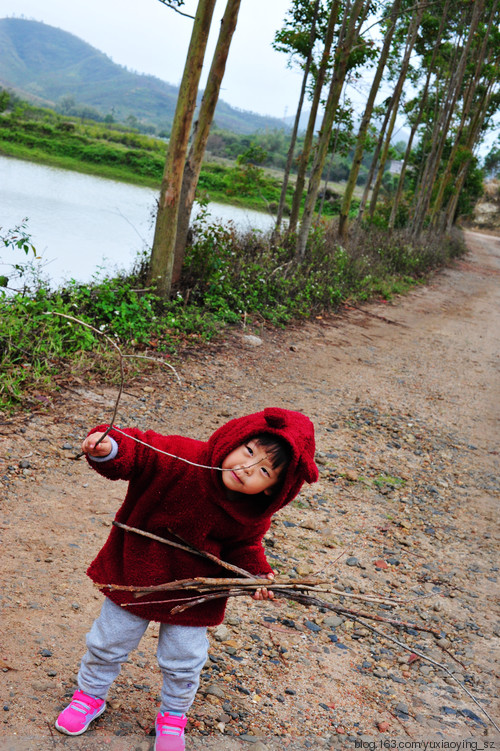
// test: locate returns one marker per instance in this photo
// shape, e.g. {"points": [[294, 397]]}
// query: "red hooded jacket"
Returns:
{"points": [[165, 493]]}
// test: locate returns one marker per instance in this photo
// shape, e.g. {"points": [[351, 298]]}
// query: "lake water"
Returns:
{"points": [[80, 224]]}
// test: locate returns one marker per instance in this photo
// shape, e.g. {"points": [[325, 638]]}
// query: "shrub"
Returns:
{"points": [[227, 276]]}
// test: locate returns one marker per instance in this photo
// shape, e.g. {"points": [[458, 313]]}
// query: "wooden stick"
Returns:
{"points": [[188, 548], [189, 602], [205, 584]]}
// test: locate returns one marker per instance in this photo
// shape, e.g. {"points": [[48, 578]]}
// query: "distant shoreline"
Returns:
{"points": [[116, 173]]}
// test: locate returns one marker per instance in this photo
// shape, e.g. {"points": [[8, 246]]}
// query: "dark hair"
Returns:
{"points": [[277, 449]]}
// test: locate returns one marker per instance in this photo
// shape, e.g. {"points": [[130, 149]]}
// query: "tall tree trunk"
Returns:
{"points": [[468, 104], [443, 85], [365, 121], [374, 162], [474, 130], [410, 43], [162, 254], [418, 119], [309, 135], [293, 138], [327, 178], [441, 129], [201, 131], [342, 54]]}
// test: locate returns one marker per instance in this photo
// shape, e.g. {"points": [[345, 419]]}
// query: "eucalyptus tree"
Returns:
{"points": [[201, 131], [411, 38], [447, 100], [428, 47], [354, 15], [367, 115], [283, 40], [319, 81], [383, 110], [478, 102], [163, 250], [297, 37]]}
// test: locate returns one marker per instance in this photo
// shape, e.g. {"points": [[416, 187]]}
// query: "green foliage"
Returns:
{"points": [[17, 238], [233, 275], [36, 344], [227, 277], [4, 100]]}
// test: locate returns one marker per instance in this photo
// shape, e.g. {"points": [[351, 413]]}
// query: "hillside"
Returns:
{"points": [[42, 63]]}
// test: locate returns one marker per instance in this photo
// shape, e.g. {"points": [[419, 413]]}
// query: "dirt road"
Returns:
{"points": [[404, 396]]}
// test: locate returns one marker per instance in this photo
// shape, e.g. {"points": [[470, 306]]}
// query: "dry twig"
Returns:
{"points": [[296, 590]]}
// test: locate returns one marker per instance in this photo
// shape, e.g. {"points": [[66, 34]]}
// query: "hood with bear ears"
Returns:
{"points": [[295, 428]]}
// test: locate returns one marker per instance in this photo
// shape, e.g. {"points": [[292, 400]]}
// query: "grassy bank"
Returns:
{"points": [[132, 157], [228, 279]]}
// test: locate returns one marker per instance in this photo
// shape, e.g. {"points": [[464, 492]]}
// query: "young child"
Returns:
{"points": [[218, 496]]}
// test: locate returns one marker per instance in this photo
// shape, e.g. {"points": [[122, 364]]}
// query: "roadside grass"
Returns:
{"points": [[228, 279]]}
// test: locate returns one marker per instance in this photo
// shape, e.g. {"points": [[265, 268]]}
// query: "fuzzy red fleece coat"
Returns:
{"points": [[165, 494]]}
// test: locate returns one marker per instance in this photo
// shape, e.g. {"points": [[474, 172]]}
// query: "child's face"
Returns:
{"points": [[251, 471]]}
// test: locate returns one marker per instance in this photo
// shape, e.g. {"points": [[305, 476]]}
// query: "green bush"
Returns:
{"points": [[227, 277]]}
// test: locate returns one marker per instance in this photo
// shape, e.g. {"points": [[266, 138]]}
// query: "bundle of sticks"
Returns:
{"points": [[304, 591]]}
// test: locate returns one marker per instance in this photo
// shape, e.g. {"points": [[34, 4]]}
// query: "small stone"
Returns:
{"points": [[471, 716], [352, 561], [24, 464], [46, 653], [444, 643], [304, 569], [332, 621], [312, 626], [351, 475], [214, 690], [222, 633], [383, 726], [381, 564], [251, 341]]}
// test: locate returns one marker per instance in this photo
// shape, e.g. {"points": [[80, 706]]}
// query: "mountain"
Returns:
{"points": [[44, 64]]}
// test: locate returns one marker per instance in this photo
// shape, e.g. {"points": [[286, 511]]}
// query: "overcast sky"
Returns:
{"points": [[148, 37]]}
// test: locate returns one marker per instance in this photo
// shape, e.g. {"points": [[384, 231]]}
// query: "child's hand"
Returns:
{"points": [[89, 445], [263, 593]]}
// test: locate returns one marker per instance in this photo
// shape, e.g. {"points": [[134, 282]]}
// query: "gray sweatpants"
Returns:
{"points": [[181, 654]]}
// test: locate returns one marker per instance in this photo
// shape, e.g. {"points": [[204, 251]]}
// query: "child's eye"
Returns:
{"points": [[250, 450]]}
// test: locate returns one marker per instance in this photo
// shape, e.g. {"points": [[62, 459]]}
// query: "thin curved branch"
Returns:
{"points": [[173, 7]]}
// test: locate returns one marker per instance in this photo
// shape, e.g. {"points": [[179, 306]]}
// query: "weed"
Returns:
{"points": [[392, 482], [227, 278]]}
